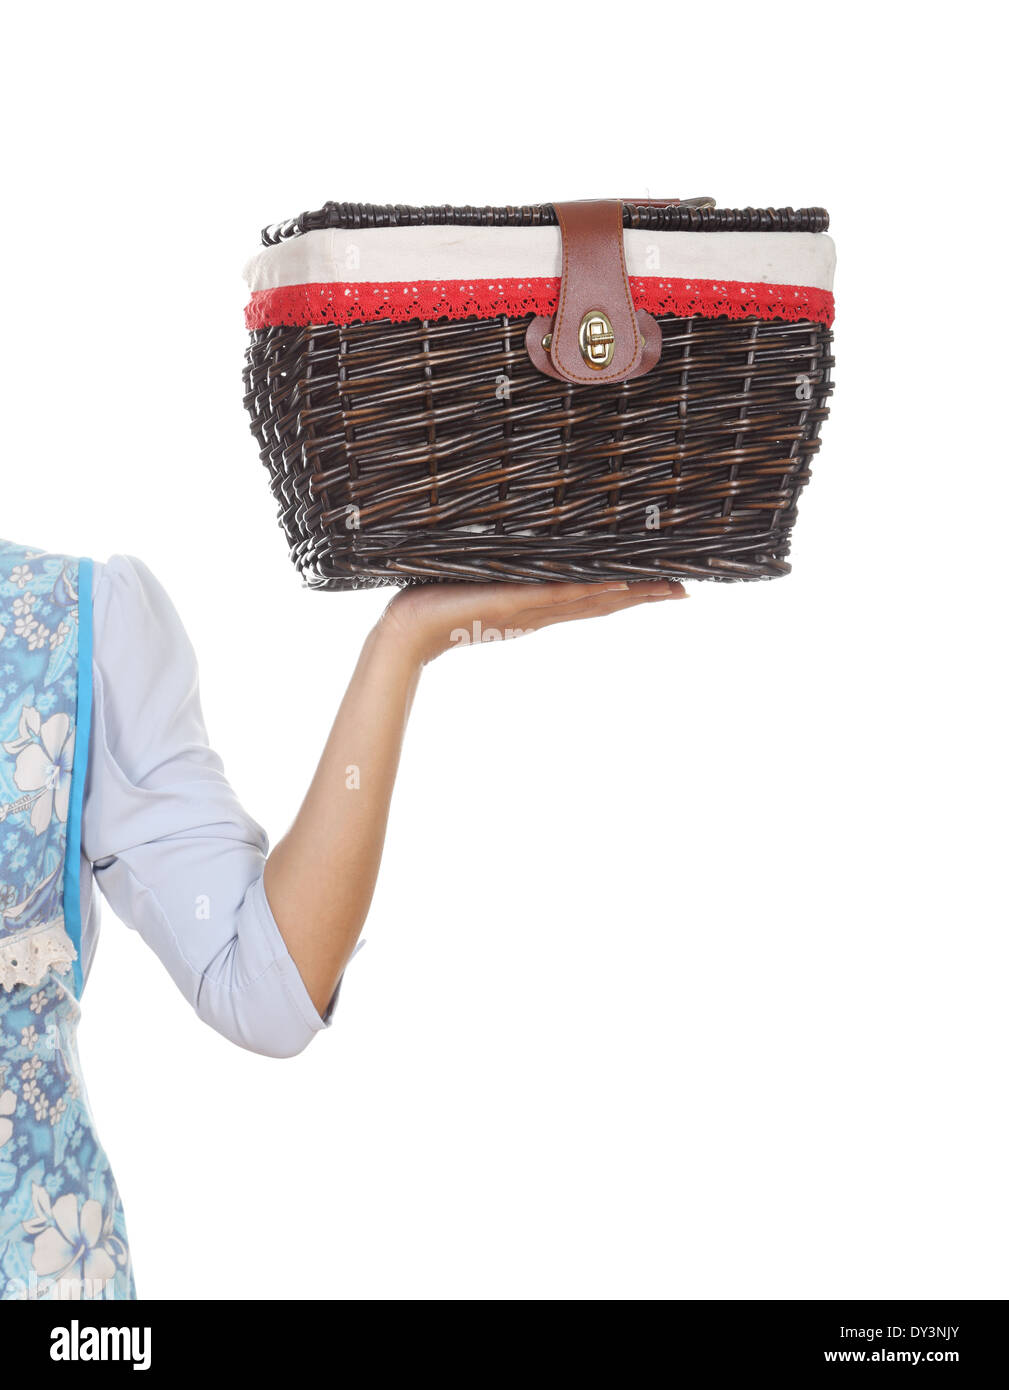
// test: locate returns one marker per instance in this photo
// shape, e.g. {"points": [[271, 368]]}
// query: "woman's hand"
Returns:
{"points": [[431, 618]]}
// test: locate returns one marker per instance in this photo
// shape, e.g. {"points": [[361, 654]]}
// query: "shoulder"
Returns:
{"points": [[128, 586], [123, 576], [134, 616]]}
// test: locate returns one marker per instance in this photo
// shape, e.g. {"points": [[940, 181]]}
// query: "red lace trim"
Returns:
{"points": [[297, 305]]}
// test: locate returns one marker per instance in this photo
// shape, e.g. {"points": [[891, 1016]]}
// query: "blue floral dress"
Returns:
{"points": [[62, 1231]]}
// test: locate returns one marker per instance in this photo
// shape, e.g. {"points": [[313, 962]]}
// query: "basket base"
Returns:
{"points": [[406, 558]]}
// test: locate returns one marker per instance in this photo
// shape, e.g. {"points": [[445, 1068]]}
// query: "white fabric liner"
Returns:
{"points": [[462, 254]]}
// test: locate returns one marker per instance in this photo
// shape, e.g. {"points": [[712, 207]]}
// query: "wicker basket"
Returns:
{"points": [[410, 436]]}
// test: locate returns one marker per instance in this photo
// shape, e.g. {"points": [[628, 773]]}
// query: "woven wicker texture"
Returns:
{"points": [[436, 451]]}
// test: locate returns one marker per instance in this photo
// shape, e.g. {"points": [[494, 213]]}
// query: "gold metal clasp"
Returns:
{"points": [[596, 340]]}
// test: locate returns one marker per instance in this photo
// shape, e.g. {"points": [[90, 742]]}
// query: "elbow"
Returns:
{"points": [[263, 1019], [280, 1048], [280, 1043]]}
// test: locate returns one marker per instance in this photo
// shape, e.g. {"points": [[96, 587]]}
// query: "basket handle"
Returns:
{"points": [[670, 202]]}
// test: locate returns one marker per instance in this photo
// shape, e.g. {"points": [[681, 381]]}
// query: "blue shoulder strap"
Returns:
{"points": [[72, 875]]}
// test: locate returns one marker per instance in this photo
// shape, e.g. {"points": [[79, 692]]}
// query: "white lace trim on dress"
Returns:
{"points": [[27, 957]]}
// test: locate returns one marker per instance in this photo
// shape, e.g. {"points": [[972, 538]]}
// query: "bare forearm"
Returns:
{"points": [[321, 876]]}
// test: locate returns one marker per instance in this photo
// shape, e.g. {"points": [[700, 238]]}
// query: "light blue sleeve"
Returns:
{"points": [[173, 851]]}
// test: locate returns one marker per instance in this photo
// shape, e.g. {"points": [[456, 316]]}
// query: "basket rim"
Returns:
{"points": [[682, 217]]}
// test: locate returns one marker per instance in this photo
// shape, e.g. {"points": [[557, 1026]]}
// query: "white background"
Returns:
{"points": [[686, 973]]}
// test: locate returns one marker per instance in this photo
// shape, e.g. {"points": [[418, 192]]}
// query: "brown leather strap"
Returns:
{"points": [[596, 336]]}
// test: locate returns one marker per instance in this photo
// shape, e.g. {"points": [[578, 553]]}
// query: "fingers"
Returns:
{"points": [[646, 594], [603, 602], [551, 595], [563, 595], [620, 597]]}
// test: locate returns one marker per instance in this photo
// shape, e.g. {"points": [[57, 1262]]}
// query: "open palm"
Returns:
{"points": [[434, 617]]}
